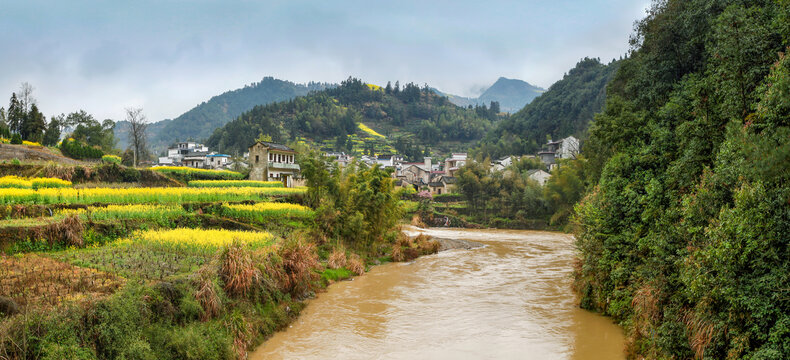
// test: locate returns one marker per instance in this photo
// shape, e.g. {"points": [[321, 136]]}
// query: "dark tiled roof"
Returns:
{"points": [[435, 184], [449, 179], [274, 146]]}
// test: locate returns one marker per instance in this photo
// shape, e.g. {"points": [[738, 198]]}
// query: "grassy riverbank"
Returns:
{"points": [[84, 277]]}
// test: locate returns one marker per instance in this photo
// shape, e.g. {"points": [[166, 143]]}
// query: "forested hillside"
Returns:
{"points": [[684, 235], [511, 94], [413, 121], [199, 122], [565, 109]]}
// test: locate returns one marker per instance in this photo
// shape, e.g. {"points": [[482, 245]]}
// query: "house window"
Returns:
{"points": [[256, 159]]}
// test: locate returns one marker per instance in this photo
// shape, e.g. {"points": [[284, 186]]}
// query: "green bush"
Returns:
{"points": [[16, 139], [77, 150]]}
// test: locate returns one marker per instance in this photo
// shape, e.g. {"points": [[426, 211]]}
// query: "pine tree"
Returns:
{"points": [[33, 125], [15, 114], [52, 134]]}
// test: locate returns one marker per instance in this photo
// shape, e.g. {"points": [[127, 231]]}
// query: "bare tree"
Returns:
{"points": [[26, 99], [137, 127]]}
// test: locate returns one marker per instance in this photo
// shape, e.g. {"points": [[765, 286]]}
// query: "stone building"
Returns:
{"points": [[273, 162]]}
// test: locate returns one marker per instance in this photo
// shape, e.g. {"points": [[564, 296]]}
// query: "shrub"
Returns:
{"points": [[77, 150], [111, 159], [237, 270], [16, 139]]}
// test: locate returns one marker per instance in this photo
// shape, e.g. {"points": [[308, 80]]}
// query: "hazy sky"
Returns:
{"points": [[169, 55]]}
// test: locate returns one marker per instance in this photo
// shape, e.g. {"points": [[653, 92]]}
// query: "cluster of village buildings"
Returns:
{"points": [[277, 162]]}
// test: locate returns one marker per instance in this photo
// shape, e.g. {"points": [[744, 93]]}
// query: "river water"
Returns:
{"points": [[510, 299]]}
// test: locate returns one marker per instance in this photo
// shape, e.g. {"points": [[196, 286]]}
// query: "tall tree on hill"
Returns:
{"points": [[4, 124], [26, 99], [33, 124], [137, 127], [15, 114]]}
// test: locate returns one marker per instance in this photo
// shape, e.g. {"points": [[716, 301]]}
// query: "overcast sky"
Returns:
{"points": [[169, 55]]}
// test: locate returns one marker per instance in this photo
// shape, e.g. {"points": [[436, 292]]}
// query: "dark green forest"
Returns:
{"points": [[565, 109], [414, 120], [684, 233], [199, 122]]}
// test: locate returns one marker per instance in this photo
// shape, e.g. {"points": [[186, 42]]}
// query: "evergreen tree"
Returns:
{"points": [[52, 134], [33, 125], [15, 114]]}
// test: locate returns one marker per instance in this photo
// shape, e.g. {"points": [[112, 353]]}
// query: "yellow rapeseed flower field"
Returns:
{"points": [[127, 212], [262, 211], [369, 131], [198, 240], [171, 195], [234, 183]]}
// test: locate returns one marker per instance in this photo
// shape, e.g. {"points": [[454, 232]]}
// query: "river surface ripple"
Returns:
{"points": [[510, 299]]}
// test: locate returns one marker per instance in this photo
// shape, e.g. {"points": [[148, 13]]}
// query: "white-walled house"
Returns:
{"points": [[540, 176]]}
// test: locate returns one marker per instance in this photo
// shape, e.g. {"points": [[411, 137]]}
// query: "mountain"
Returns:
{"points": [[199, 122], [352, 117], [512, 95], [567, 108]]}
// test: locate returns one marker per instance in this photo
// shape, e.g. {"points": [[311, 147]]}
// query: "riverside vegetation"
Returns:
{"points": [[116, 271], [684, 232]]}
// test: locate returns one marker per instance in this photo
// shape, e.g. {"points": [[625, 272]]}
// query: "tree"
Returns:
{"points": [[15, 114], [137, 126], [52, 134], [26, 99], [33, 125]]}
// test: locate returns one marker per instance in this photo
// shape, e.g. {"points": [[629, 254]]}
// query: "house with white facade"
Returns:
{"points": [[538, 175]]}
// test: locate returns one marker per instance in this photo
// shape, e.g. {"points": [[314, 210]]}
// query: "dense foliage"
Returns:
{"points": [[511, 198], [200, 121], [567, 108], [78, 150], [684, 236], [413, 118], [357, 204]]}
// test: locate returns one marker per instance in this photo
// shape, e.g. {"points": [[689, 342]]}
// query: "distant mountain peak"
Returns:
{"points": [[512, 95]]}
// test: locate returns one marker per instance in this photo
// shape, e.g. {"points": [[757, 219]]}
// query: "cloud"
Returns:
{"points": [[169, 55]]}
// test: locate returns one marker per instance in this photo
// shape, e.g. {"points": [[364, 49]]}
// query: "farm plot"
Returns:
{"points": [[37, 281]]}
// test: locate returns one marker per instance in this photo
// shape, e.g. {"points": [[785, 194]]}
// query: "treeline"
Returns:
{"points": [[567, 108], [23, 120], [200, 121], [414, 117], [684, 235], [510, 198]]}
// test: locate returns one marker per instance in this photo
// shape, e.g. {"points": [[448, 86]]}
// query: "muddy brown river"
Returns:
{"points": [[510, 299]]}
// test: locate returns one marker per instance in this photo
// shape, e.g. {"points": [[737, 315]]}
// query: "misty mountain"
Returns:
{"points": [[200, 122], [512, 95]]}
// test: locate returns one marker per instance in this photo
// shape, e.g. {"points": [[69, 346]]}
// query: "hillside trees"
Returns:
{"points": [[683, 236], [565, 109], [137, 135], [416, 117]]}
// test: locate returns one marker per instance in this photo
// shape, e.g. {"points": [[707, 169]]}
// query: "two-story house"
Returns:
{"points": [[273, 162]]}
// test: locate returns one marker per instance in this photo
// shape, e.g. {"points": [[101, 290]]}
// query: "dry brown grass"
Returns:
{"points": [[237, 270], [416, 220], [68, 232], [337, 259], [356, 264], [700, 331], [407, 249], [34, 281], [206, 293], [292, 266]]}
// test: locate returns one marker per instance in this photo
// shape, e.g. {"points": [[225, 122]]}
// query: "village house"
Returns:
{"points": [[453, 163], [217, 161], [177, 152], [273, 162], [418, 174], [538, 175], [340, 158], [566, 148], [441, 185]]}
